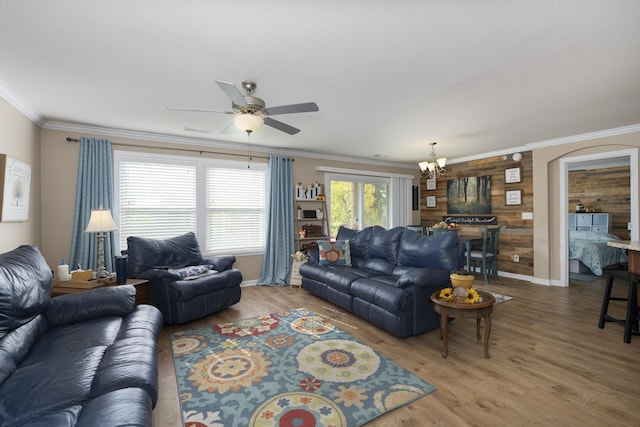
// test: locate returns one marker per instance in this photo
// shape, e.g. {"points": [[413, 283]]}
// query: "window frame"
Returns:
{"points": [[201, 165]]}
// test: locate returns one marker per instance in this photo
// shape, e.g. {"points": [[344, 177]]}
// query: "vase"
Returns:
{"points": [[459, 279]]}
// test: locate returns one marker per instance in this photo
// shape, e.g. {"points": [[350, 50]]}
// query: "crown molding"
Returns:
{"points": [[212, 143], [551, 142], [20, 104]]}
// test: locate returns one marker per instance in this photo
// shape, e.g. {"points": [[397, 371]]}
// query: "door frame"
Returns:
{"points": [[565, 164]]}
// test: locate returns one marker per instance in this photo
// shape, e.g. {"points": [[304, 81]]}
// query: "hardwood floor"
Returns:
{"points": [[550, 365]]}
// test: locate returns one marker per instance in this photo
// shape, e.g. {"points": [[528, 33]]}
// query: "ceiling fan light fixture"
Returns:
{"points": [[248, 122]]}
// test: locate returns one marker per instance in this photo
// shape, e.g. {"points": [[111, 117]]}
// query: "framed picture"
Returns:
{"points": [[431, 184], [15, 181], [431, 201], [469, 195], [511, 175], [514, 197]]}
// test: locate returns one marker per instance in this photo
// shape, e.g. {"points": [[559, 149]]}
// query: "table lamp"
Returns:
{"points": [[100, 222]]}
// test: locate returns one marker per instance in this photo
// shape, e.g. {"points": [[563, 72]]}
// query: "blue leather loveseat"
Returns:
{"points": [[392, 274], [85, 359]]}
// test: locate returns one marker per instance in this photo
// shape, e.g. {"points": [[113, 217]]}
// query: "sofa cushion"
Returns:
{"points": [[180, 290], [380, 266], [177, 252], [379, 293], [334, 253], [25, 286], [437, 251], [384, 244], [358, 241], [15, 346]]}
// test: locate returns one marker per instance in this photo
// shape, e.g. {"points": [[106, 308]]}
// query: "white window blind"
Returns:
{"points": [[157, 200], [235, 209], [160, 196]]}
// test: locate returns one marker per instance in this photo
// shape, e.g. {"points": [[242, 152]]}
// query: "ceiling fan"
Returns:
{"points": [[250, 112]]}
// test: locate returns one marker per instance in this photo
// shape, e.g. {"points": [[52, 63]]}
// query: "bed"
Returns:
{"points": [[588, 251]]}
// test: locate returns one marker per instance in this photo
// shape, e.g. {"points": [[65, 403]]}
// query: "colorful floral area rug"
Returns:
{"points": [[292, 368]]}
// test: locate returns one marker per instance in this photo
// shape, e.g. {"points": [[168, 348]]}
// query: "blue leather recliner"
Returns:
{"points": [[183, 299], [84, 359], [392, 274]]}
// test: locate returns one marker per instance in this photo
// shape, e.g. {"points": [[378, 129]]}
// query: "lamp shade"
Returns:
{"points": [[248, 122], [100, 221]]}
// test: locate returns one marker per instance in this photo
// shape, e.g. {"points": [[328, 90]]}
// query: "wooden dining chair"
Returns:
{"points": [[487, 254]]}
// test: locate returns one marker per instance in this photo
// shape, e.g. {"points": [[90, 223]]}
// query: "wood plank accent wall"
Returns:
{"points": [[516, 234], [605, 190]]}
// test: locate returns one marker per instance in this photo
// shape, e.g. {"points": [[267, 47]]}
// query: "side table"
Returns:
{"points": [[60, 287], [456, 309]]}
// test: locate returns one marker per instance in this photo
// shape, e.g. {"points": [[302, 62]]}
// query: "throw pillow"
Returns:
{"points": [[192, 272], [334, 253]]}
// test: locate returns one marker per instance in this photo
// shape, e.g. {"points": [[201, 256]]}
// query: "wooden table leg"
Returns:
{"points": [[487, 333], [478, 328], [443, 332]]}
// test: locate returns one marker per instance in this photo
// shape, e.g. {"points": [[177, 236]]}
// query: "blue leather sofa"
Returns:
{"points": [[391, 276], [182, 301], [85, 359]]}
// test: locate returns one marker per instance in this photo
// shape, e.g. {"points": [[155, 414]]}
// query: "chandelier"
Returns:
{"points": [[433, 167]]}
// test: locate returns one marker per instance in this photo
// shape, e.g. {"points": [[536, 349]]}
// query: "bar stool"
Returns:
{"points": [[632, 319]]}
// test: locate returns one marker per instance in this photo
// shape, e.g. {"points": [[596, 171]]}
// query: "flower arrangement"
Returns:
{"points": [[470, 296]]}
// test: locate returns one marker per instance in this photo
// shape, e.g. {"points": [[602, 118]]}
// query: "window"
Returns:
{"points": [[358, 202], [160, 196]]}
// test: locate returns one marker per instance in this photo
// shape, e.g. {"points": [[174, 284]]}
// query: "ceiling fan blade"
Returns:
{"points": [[232, 92], [307, 107], [280, 126], [198, 110], [230, 128]]}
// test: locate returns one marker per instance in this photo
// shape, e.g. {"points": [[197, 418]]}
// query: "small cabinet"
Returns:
{"points": [[599, 222], [310, 221]]}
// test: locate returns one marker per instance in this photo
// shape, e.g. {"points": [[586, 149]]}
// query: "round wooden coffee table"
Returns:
{"points": [[464, 310]]}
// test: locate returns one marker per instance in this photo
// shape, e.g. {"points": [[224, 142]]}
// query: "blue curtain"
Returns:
{"points": [[276, 267], [94, 190]]}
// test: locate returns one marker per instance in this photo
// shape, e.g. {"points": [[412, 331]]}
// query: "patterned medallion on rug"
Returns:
{"points": [[292, 368]]}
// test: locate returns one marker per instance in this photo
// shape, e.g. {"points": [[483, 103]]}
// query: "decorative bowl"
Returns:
{"points": [[461, 278]]}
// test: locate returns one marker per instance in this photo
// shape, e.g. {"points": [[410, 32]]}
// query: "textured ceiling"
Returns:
{"points": [[389, 76]]}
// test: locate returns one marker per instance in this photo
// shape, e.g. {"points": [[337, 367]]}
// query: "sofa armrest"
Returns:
{"points": [[425, 277], [313, 256], [92, 304], [221, 262]]}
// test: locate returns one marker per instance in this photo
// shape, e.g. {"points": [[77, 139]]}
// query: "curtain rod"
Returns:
{"points": [[69, 139]]}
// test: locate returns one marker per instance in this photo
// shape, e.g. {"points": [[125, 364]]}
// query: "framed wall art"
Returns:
{"points": [[431, 184], [15, 182], [513, 197], [469, 195], [431, 201], [511, 175]]}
